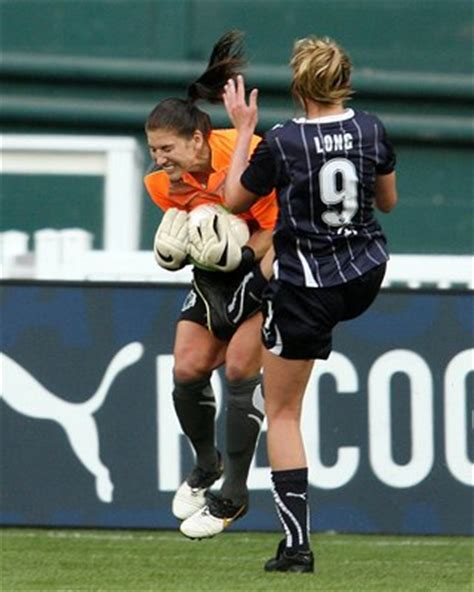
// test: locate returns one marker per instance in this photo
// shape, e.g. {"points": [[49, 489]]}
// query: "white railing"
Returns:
{"points": [[67, 255], [118, 159], [442, 271]]}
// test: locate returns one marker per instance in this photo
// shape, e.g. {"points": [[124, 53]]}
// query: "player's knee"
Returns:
{"points": [[198, 386], [235, 372], [240, 367], [189, 370], [282, 412]]}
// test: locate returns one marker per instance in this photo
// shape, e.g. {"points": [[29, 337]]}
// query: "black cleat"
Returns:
{"points": [[215, 291], [299, 562], [199, 478], [222, 507]]}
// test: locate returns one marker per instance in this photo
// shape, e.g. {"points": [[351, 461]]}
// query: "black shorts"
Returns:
{"points": [[194, 309], [298, 321]]}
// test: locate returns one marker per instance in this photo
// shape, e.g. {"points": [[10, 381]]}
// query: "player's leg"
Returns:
{"points": [[297, 329], [244, 417], [245, 407], [196, 354], [285, 383], [285, 380]]}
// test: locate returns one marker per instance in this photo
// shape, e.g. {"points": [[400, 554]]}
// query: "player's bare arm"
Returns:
{"points": [[244, 118], [386, 192]]}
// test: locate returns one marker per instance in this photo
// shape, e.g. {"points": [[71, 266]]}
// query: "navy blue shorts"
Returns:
{"points": [[298, 321]]}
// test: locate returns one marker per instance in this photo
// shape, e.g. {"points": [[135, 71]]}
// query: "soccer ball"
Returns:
{"points": [[220, 248]]}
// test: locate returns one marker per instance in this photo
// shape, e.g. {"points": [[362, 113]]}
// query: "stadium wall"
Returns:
{"points": [[89, 435], [98, 67]]}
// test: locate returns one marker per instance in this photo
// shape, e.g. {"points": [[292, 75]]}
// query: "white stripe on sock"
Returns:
{"points": [[279, 503]]}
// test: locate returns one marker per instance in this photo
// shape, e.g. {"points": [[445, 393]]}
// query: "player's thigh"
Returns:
{"points": [[285, 382], [196, 351], [244, 352]]}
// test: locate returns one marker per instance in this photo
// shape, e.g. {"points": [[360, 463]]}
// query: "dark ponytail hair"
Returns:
{"points": [[181, 115]]}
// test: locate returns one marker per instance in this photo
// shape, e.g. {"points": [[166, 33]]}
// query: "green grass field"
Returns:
{"points": [[140, 561]]}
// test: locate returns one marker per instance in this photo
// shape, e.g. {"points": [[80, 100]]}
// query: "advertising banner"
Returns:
{"points": [[89, 436]]}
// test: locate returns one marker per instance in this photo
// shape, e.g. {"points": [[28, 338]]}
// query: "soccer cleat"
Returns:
{"points": [[299, 562], [215, 293], [219, 513], [191, 494]]}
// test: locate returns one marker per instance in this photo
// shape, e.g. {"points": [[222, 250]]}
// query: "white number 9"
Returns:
{"points": [[338, 184]]}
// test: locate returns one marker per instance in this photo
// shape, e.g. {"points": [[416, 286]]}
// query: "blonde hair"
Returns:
{"points": [[321, 70]]}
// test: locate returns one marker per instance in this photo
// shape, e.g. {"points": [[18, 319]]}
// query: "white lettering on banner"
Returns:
{"points": [[259, 477], [380, 437], [380, 433], [169, 432], [337, 475], [456, 420], [167, 429]]}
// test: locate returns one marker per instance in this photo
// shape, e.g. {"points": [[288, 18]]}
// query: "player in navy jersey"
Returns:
{"points": [[329, 168]]}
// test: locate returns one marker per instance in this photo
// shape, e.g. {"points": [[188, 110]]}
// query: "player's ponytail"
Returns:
{"points": [[182, 115], [226, 61]]}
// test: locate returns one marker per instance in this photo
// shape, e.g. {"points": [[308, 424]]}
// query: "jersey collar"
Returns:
{"points": [[348, 114]]}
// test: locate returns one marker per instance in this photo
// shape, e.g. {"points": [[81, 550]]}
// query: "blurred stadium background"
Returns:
{"points": [[98, 67], [79, 281]]}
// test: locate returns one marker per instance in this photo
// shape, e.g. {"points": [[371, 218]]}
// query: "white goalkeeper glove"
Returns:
{"points": [[171, 240], [213, 245]]}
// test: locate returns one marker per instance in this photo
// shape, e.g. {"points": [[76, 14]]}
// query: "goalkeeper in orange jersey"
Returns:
{"points": [[190, 163]]}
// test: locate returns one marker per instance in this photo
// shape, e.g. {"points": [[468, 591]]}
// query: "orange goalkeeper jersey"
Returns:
{"points": [[262, 215]]}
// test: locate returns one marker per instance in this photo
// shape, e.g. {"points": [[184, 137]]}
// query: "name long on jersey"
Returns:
{"points": [[327, 233]]}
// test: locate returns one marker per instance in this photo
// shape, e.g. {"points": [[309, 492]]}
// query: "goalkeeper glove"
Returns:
{"points": [[171, 240], [213, 245]]}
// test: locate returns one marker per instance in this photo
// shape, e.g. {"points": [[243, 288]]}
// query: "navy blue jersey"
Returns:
{"points": [[324, 171]]}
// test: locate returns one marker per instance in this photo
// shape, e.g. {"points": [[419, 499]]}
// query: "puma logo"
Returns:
{"points": [[23, 393], [299, 495]]}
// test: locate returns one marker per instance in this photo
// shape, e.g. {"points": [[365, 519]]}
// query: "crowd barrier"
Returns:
{"points": [[89, 436]]}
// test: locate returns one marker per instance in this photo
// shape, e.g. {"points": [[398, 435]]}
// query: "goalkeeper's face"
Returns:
{"points": [[176, 154]]}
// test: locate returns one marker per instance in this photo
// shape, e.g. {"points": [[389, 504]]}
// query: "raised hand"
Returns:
{"points": [[243, 116]]}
